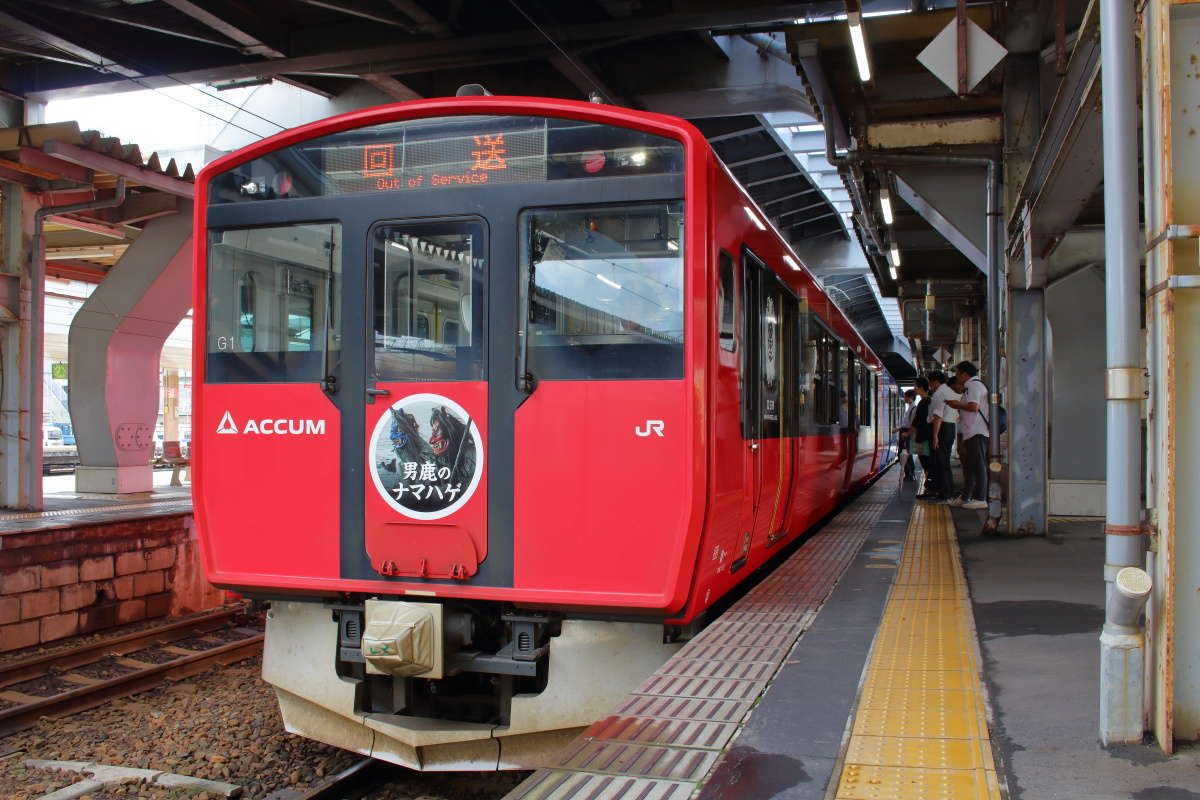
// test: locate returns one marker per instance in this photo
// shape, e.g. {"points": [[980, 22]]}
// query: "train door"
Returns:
{"points": [[763, 395], [427, 399]]}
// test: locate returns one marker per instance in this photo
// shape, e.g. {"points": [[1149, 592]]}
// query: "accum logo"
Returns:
{"points": [[273, 427]]}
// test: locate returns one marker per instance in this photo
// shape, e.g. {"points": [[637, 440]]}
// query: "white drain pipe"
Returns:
{"points": [[1122, 643]]}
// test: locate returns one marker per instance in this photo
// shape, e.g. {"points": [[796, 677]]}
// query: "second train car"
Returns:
{"points": [[494, 397]]}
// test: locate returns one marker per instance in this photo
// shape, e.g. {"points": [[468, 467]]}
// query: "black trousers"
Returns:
{"points": [[945, 445], [974, 456]]}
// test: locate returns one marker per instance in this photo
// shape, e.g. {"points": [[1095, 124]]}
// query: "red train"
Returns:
{"points": [[497, 396]]}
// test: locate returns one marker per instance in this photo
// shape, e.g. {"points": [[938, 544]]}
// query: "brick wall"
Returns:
{"points": [[66, 581]]}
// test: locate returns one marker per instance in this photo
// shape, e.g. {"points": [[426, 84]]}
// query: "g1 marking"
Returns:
{"points": [[653, 426]]}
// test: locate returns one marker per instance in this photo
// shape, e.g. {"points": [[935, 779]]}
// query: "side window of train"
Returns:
{"points": [[751, 361], [825, 348], [726, 320], [866, 391]]}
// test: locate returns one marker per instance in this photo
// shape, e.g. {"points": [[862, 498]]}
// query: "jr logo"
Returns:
{"points": [[653, 426]]}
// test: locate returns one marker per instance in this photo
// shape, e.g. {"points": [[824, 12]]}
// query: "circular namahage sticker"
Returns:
{"points": [[426, 456]]}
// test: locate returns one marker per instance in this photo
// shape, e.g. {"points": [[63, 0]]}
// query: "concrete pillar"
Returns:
{"points": [[1028, 412], [21, 357], [171, 405], [115, 343]]}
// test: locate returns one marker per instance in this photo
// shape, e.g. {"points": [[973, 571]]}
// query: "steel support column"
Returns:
{"points": [[1028, 412], [1172, 280]]}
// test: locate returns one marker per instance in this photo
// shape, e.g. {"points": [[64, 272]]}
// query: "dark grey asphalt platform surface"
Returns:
{"points": [[789, 747], [1039, 606]]}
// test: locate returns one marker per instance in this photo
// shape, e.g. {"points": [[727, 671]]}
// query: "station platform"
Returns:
{"points": [[898, 653], [68, 509]]}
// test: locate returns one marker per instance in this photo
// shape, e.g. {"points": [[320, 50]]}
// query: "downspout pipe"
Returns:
{"points": [[31, 483], [1121, 657]]}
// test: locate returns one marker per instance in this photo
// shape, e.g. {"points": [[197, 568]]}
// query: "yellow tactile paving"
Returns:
{"points": [[920, 728]]}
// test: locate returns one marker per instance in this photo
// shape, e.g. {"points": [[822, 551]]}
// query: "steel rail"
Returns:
{"points": [[352, 783], [30, 668], [144, 675]]}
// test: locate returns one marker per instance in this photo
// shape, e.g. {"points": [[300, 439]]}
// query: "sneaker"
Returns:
{"points": [[957, 502], [975, 505]]}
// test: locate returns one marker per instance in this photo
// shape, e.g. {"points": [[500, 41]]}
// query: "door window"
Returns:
{"points": [[603, 292], [429, 301]]}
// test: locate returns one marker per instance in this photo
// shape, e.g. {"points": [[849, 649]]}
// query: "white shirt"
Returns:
{"points": [[972, 421], [907, 420], [938, 407]]}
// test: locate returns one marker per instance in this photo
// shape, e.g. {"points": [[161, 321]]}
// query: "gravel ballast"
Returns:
{"points": [[221, 725]]}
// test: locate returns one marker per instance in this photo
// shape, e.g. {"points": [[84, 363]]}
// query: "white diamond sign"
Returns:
{"points": [[941, 55], [942, 355]]}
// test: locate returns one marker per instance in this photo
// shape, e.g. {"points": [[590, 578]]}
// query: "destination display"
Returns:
{"points": [[448, 152]]}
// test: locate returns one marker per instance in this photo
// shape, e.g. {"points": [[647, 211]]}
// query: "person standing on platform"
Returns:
{"points": [[973, 425], [922, 438], [906, 434], [945, 421]]}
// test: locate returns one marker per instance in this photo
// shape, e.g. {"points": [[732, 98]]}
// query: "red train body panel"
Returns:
{"points": [[651, 496]]}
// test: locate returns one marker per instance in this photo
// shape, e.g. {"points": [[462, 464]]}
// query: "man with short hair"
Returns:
{"points": [[945, 420], [974, 426]]}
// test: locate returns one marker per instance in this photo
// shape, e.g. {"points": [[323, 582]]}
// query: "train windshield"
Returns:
{"points": [[445, 152], [272, 303], [604, 291]]}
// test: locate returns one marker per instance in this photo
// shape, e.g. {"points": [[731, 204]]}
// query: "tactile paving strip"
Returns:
{"points": [[920, 728], [665, 737]]}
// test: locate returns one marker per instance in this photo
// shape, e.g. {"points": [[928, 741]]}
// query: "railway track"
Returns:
{"points": [[74, 680], [352, 783]]}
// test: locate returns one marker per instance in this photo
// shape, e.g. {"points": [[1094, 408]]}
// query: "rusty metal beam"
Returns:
{"points": [[986, 129], [1066, 168], [102, 163], [487, 48], [249, 44], [425, 21], [391, 87], [65, 46], [353, 11]]}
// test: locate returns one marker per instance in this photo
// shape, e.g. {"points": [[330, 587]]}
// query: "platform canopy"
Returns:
{"points": [[714, 63]]}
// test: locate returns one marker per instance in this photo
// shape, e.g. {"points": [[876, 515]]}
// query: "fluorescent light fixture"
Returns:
{"points": [[791, 262], [859, 40], [671, 245], [811, 128], [399, 246], [895, 254], [885, 205], [892, 271], [754, 217], [611, 283], [638, 158]]}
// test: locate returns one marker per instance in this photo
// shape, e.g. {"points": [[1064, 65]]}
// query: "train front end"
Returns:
{"points": [[448, 412]]}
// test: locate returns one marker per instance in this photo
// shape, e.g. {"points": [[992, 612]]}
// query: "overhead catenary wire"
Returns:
{"points": [[578, 68], [102, 67]]}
